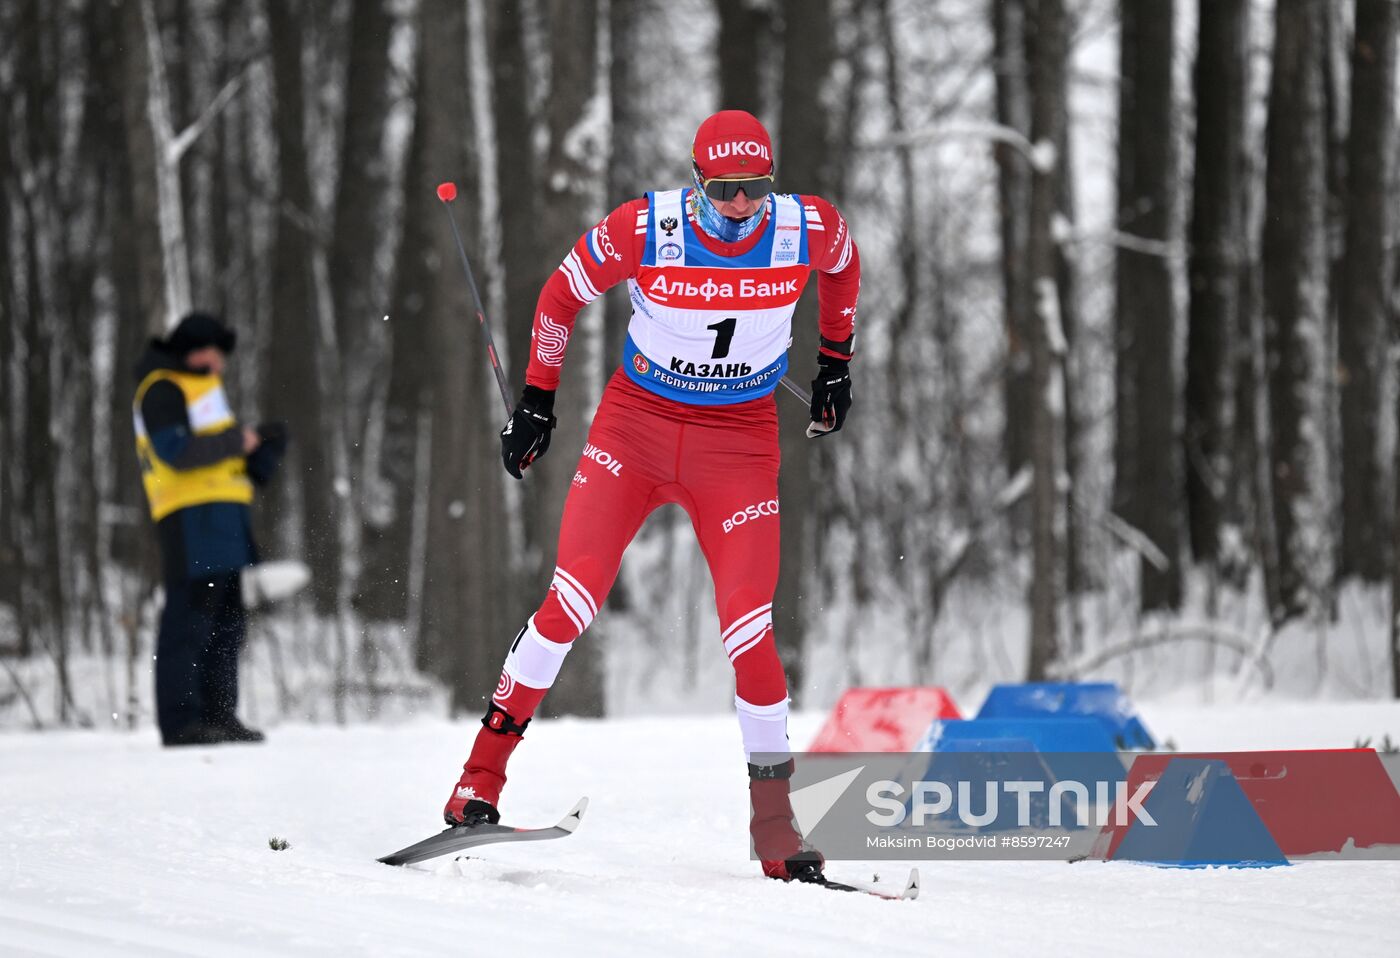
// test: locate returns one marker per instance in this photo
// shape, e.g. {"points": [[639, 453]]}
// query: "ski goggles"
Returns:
{"points": [[724, 190]]}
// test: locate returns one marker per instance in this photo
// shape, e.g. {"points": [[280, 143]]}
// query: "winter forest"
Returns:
{"points": [[1125, 380]]}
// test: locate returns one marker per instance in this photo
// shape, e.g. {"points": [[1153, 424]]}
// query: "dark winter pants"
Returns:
{"points": [[201, 633]]}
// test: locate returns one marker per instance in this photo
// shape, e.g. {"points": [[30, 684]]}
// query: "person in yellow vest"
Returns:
{"points": [[199, 468]]}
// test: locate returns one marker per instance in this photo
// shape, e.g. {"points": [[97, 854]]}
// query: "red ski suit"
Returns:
{"points": [[690, 419]]}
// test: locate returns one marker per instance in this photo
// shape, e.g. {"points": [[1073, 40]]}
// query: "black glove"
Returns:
{"points": [[265, 459], [831, 396], [526, 437], [274, 432]]}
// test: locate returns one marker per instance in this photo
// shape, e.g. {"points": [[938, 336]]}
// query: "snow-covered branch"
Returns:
{"points": [[175, 149], [1047, 303], [1015, 489], [1136, 540], [1042, 155], [1091, 662], [1138, 244]]}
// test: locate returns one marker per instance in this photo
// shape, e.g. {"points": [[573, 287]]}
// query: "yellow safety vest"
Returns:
{"points": [[170, 489]]}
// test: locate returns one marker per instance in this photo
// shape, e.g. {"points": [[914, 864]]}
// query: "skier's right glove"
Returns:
{"points": [[526, 437], [831, 396]]}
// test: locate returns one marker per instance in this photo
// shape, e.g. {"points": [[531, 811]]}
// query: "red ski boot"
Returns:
{"points": [[477, 793], [781, 850]]}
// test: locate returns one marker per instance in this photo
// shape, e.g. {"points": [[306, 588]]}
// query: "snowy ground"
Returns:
{"points": [[110, 845]]}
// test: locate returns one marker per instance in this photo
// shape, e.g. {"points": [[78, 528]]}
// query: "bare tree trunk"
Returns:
{"points": [[45, 589], [360, 206], [225, 202], [745, 38], [1366, 286], [1251, 498], [524, 262], [1067, 281], [143, 159], [82, 218], [1149, 487], [919, 320], [1013, 104], [11, 563], [360, 213], [166, 168], [196, 65], [1126, 321], [464, 628], [1254, 495], [525, 265], [1295, 305], [388, 536], [234, 214], [1336, 70], [1048, 113], [1395, 610], [1218, 247], [295, 389], [132, 256], [802, 150], [907, 307], [43, 601], [569, 196], [1395, 523], [1395, 551], [624, 178], [869, 567]]}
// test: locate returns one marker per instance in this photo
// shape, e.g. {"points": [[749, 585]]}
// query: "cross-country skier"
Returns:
{"points": [[714, 271]]}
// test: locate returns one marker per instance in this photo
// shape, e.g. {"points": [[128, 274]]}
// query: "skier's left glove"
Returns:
{"points": [[526, 437], [831, 396]]}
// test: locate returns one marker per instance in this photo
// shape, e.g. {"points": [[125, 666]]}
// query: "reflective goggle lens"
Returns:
{"points": [[724, 190]]}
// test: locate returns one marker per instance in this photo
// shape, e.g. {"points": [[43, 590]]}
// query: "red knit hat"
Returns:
{"points": [[732, 143]]}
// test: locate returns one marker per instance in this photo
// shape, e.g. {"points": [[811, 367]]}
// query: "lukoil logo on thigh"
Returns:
{"points": [[603, 458]]}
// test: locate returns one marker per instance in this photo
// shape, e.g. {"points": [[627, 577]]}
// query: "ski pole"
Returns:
{"points": [[447, 192], [813, 429], [797, 391]]}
